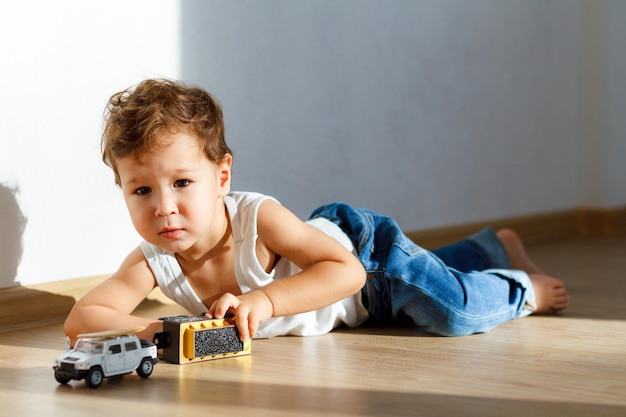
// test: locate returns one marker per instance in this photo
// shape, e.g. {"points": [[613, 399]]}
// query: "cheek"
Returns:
{"points": [[196, 211], [198, 208], [138, 214]]}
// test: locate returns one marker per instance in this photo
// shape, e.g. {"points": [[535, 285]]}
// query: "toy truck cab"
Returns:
{"points": [[95, 357]]}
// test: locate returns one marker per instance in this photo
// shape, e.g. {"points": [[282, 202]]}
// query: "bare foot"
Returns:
{"points": [[517, 252], [550, 293]]}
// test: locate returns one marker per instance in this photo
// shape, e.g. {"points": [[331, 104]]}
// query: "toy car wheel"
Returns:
{"points": [[94, 378], [145, 368], [60, 379]]}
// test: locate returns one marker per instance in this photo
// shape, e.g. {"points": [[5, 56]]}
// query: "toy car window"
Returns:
{"points": [[89, 347], [115, 349], [130, 346]]}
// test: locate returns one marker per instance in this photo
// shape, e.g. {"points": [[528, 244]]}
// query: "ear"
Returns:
{"points": [[224, 174]]}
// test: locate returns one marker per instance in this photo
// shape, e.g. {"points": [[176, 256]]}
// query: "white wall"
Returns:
{"points": [[616, 74], [60, 61], [435, 112], [602, 103]]}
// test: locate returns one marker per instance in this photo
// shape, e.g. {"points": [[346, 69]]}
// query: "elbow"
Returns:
{"points": [[69, 329], [71, 326], [359, 274]]}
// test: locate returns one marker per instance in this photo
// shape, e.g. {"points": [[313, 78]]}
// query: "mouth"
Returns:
{"points": [[170, 232]]}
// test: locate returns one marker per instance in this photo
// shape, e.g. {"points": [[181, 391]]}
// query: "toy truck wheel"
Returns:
{"points": [[61, 380], [94, 377], [145, 368]]}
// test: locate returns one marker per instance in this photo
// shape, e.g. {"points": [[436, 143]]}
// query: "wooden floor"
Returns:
{"points": [[573, 364]]}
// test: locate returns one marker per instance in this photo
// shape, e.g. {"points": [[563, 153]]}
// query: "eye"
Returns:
{"points": [[143, 190], [181, 183]]}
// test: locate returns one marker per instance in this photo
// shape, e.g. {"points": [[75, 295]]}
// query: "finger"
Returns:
{"points": [[226, 303], [210, 313], [253, 325], [241, 318]]}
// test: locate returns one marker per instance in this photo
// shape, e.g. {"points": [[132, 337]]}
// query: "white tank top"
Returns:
{"points": [[242, 208]]}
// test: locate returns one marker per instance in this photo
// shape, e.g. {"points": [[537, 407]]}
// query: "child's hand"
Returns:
{"points": [[250, 310]]}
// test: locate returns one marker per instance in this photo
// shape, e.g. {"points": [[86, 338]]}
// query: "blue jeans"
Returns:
{"points": [[480, 251], [405, 280]]}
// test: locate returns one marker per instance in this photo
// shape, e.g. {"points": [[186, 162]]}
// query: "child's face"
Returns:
{"points": [[173, 194]]}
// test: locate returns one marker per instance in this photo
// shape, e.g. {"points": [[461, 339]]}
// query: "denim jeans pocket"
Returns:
{"points": [[377, 301]]}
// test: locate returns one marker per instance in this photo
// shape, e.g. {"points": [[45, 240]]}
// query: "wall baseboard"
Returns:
{"points": [[41, 304], [604, 222], [536, 229]]}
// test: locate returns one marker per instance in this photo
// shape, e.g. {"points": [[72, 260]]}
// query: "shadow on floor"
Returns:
{"points": [[45, 308]]}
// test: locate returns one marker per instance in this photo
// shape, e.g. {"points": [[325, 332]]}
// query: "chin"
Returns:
{"points": [[169, 245]]}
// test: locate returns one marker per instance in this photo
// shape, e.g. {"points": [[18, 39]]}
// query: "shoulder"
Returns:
{"points": [[136, 258], [242, 200], [243, 209], [276, 222], [127, 286], [135, 267]]}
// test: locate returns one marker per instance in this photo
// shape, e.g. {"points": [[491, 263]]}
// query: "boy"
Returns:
{"points": [[236, 253]]}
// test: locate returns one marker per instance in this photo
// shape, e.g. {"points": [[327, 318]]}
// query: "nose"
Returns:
{"points": [[166, 205]]}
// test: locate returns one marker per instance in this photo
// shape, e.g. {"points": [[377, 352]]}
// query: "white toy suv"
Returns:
{"points": [[99, 355]]}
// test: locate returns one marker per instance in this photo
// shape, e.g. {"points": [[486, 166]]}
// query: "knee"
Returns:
{"points": [[452, 325], [454, 328]]}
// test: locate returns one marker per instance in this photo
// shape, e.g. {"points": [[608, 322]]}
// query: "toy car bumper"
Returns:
{"points": [[66, 373]]}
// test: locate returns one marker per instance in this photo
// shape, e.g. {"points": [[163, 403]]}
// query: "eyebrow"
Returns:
{"points": [[176, 172]]}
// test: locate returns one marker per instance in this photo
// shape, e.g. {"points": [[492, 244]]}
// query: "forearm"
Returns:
{"points": [[95, 318], [315, 287]]}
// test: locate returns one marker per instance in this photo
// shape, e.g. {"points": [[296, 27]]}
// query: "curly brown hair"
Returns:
{"points": [[136, 120]]}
